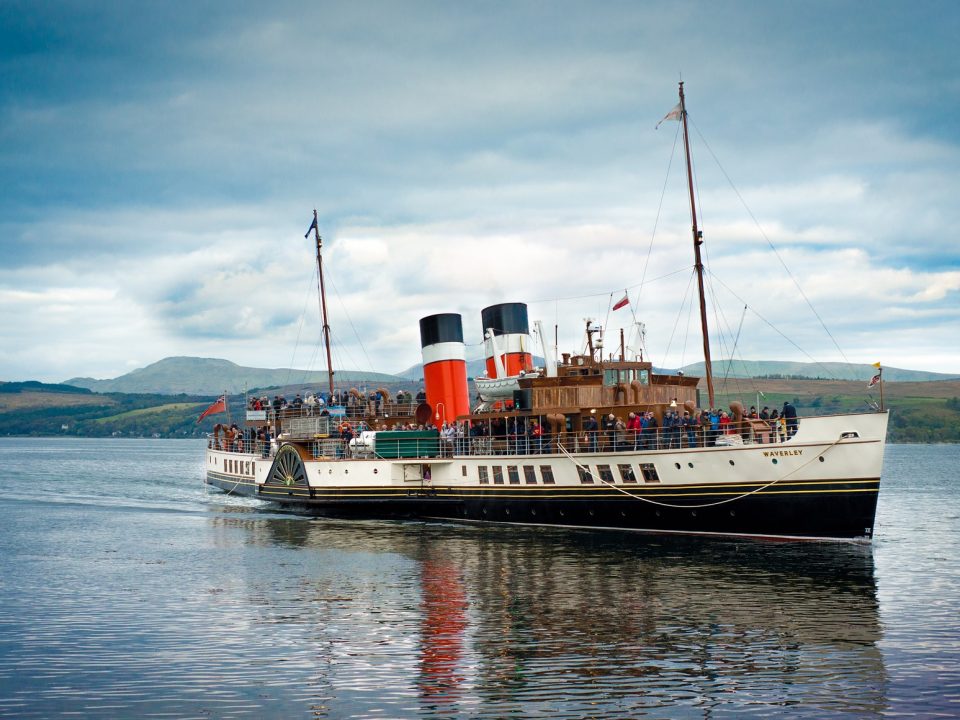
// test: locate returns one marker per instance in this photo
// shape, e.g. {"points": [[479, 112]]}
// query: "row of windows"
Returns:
{"points": [[626, 474], [513, 474], [648, 472]]}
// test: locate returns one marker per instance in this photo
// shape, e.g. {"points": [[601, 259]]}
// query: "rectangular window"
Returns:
{"points": [[530, 474], [546, 472], [606, 474], [513, 474], [463, 470], [649, 472], [609, 378], [497, 475], [585, 477], [626, 473], [484, 478], [644, 377]]}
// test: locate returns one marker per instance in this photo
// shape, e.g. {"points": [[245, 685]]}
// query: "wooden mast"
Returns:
{"points": [[698, 263], [323, 299]]}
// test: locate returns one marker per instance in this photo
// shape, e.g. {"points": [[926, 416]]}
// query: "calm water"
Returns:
{"points": [[129, 590]]}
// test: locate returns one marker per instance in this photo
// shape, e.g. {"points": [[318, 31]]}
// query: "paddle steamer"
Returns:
{"points": [[544, 445]]}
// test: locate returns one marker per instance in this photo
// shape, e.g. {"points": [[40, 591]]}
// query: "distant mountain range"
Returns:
{"points": [[813, 371], [211, 376], [474, 368]]}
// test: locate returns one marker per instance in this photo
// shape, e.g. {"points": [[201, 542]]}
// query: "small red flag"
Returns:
{"points": [[218, 407], [874, 380], [624, 301]]}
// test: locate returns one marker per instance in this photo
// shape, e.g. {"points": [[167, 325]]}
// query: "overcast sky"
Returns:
{"points": [[160, 162]]}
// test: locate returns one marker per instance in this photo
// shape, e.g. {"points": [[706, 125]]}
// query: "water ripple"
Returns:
{"points": [[132, 591]]}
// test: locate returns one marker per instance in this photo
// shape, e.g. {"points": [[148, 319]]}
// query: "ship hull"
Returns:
{"points": [[807, 488], [834, 510]]}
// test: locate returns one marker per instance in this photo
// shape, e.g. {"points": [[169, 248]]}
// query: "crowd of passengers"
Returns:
{"points": [[353, 400], [640, 431]]}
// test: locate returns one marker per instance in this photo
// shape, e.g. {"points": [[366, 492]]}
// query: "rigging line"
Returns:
{"points": [[723, 327], [606, 320], [775, 328], [656, 222], [676, 322], [303, 314], [736, 341], [350, 321], [605, 292], [772, 247], [686, 335], [702, 505]]}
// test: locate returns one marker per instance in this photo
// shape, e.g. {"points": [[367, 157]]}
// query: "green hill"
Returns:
{"points": [[212, 376], [777, 369]]}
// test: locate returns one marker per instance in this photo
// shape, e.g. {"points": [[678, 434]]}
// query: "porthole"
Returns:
{"points": [[532, 511], [657, 513], [821, 458], [562, 514], [677, 465], [774, 461], [693, 513], [689, 465], [732, 463], [346, 471], [507, 511], [330, 471], [733, 513], [591, 513], [375, 471], [484, 511], [622, 514]]}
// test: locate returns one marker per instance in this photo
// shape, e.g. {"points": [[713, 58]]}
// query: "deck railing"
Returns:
{"points": [[441, 446]]}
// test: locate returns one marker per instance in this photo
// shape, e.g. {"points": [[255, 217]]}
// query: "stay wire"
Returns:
{"points": [[772, 247], [772, 326], [303, 315]]}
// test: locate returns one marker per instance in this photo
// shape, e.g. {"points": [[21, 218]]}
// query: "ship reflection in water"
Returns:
{"points": [[407, 619]]}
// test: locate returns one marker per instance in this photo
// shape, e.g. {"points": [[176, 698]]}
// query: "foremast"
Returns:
{"points": [[323, 298], [698, 262]]}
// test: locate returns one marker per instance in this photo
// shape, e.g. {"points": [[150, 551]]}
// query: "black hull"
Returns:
{"points": [[834, 510]]}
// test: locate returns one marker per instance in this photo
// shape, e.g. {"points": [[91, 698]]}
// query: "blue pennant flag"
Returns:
{"points": [[313, 226]]}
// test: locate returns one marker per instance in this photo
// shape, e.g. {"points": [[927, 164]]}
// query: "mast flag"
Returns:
{"points": [[674, 114], [313, 226], [622, 302]]}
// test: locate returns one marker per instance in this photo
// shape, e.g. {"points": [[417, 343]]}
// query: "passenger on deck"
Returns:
{"points": [[690, 425], [726, 424], [609, 428], [790, 415], [346, 435], [764, 435], [536, 437], [633, 429], [590, 428], [714, 427]]}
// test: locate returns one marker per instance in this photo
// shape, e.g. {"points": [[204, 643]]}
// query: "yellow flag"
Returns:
{"points": [[876, 365]]}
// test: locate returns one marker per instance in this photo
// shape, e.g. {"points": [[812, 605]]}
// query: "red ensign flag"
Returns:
{"points": [[218, 407]]}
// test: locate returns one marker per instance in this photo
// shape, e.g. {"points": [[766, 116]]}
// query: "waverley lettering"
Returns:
{"points": [[781, 453]]}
